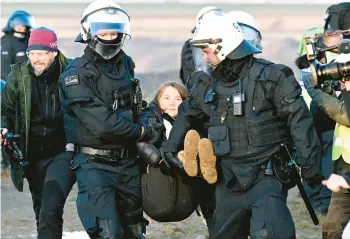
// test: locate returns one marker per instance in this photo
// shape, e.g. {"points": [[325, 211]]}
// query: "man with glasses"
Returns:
{"points": [[31, 108]]}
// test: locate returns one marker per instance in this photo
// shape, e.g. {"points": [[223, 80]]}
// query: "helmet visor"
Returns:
{"points": [[98, 28], [199, 62], [251, 35], [110, 20], [244, 49]]}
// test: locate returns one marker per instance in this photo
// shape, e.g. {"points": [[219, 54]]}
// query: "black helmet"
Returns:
{"points": [[18, 18], [338, 17]]}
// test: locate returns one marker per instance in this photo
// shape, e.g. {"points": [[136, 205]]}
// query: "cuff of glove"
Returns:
{"points": [[312, 175]]}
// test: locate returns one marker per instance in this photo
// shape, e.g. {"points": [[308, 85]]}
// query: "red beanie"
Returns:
{"points": [[42, 39]]}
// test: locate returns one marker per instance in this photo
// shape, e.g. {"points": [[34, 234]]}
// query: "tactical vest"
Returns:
{"points": [[341, 143], [255, 133], [114, 92]]}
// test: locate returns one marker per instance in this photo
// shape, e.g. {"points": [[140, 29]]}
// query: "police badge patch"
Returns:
{"points": [[71, 80]]}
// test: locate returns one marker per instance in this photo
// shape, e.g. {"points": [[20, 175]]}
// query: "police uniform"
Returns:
{"points": [[14, 44], [99, 122], [251, 113], [13, 50]]}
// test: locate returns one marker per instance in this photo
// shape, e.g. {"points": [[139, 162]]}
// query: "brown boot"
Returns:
{"points": [[207, 161], [190, 153]]}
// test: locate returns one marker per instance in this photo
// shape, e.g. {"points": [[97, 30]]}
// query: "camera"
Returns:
{"points": [[333, 70]]}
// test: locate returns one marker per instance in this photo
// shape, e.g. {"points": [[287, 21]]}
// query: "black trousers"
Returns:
{"points": [[264, 202], [50, 181], [109, 199]]}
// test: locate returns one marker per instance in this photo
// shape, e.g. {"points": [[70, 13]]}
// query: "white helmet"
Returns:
{"points": [[104, 16], [207, 11], [249, 26], [223, 37]]}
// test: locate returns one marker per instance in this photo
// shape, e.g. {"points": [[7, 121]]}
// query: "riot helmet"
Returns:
{"points": [[249, 26], [224, 38], [207, 12], [19, 18], [104, 17]]}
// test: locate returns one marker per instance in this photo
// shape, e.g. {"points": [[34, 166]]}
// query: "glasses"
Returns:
{"points": [[39, 55]]}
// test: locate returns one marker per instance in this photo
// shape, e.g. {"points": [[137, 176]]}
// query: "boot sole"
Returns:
{"points": [[207, 161], [190, 152]]}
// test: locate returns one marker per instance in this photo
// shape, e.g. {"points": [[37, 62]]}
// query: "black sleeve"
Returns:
{"points": [[151, 116], [293, 109], [347, 177], [83, 103], [7, 58]]}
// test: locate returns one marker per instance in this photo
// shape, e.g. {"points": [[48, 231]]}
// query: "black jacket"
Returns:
{"points": [[276, 90], [13, 50], [95, 96]]}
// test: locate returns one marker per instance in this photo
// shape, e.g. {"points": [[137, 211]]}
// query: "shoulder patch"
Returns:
{"points": [[287, 72], [71, 80]]}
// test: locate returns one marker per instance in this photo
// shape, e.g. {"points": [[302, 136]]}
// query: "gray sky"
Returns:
{"points": [[188, 1]]}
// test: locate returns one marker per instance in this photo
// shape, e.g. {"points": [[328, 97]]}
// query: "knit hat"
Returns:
{"points": [[42, 39]]}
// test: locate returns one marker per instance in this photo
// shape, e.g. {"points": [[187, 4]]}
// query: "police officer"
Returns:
{"points": [[15, 41], [98, 92], [187, 61], [254, 105]]}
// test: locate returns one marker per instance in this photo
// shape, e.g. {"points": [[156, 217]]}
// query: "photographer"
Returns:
{"points": [[320, 196], [325, 98]]}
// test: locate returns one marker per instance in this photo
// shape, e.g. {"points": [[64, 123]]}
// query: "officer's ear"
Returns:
{"points": [[54, 53]]}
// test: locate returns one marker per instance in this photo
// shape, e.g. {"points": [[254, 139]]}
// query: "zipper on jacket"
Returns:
{"points": [[46, 100], [54, 105]]}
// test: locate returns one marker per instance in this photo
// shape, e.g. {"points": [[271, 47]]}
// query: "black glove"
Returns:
{"points": [[172, 161], [148, 152], [327, 87], [312, 175], [149, 135]]}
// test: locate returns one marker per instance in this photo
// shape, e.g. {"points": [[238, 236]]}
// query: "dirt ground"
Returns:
{"points": [[17, 218], [158, 33]]}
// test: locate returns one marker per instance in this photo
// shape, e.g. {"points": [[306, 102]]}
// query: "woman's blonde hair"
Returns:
{"points": [[180, 88]]}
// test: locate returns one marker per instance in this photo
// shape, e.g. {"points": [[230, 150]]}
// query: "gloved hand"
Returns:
{"points": [[148, 152], [172, 161], [309, 85], [312, 175], [150, 134], [327, 87]]}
